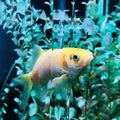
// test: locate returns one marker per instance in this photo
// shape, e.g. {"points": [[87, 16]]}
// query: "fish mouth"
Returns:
{"points": [[78, 68], [90, 56], [88, 59]]}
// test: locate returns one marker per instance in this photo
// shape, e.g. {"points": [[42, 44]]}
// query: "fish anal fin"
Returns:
{"points": [[26, 94]]}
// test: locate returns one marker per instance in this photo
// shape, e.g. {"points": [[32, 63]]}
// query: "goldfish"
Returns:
{"points": [[55, 68]]}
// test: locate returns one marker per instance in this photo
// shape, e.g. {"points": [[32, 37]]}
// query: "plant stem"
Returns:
{"points": [[61, 23], [100, 7], [107, 7], [6, 79], [117, 9], [51, 8]]}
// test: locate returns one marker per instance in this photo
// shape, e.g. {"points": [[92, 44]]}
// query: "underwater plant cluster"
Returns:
{"points": [[96, 92]]}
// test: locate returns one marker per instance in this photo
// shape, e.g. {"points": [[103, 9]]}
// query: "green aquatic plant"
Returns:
{"points": [[97, 91]]}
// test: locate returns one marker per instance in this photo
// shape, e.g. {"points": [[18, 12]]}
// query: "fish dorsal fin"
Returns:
{"points": [[36, 52]]}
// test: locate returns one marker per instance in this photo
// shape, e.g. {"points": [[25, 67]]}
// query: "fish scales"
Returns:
{"points": [[60, 66]]}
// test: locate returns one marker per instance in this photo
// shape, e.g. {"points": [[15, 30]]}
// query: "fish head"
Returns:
{"points": [[77, 59]]}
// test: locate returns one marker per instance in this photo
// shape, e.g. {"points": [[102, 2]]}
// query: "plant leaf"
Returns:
{"points": [[33, 109], [43, 16]]}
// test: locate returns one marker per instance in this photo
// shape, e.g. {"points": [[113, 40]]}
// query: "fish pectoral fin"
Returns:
{"points": [[62, 86], [59, 82], [64, 72], [60, 70]]}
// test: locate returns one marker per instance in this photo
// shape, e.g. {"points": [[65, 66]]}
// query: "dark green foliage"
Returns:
{"points": [[97, 90]]}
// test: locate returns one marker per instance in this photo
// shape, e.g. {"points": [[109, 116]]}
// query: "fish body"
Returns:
{"points": [[60, 66]]}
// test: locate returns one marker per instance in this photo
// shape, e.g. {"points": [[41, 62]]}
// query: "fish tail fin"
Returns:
{"points": [[24, 80]]}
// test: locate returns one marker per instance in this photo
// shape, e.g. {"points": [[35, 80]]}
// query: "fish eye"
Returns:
{"points": [[75, 58]]}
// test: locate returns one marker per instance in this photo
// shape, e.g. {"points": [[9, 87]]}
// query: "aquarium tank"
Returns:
{"points": [[39, 28]]}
